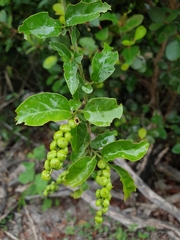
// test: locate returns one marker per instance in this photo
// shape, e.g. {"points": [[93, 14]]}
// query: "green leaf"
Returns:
{"points": [[130, 53], [87, 88], [89, 45], [140, 32], [155, 26], [157, 14], [84, 12], [79, 171], [132, 23], [103, 34], [101, 111], [103, 139], [62, 50], [173, 50], [110, 17], [176, 148], [49, 62], [28, 175], [40, 25], [41, 108], [125, 149], [128, 43], [80, 141], [173, 117], [39, 184], [39, 152], [127, 181], [70, 75], [103, 64]]}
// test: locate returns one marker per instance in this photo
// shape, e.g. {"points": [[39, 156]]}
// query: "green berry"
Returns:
{"points": [[65, 128], [59, 180], [47, 165], [53, 145], [105, 209], [53, 187], [55, 163], [66, 150], [98, 219], [98, 202], [104, 192], [45, 193], [99, 172], [99, 213], [109, 186], [101, 164], [103, 181], [51, 154], [98, 193], [72, 123], [61, 155], [58, 134], [62, 142], [106, 173], [106, 203], [97, 179], [68, 136], [45, 175]]}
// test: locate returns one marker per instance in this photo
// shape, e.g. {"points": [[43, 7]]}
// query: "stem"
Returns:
{"points": [[64, 4]]}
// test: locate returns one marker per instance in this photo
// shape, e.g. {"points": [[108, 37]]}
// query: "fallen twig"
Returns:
{"points": [[148, 193], [10, 235]]}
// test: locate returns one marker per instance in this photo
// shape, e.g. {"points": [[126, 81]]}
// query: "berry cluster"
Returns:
{"points": [[58, 150], [53, 186], [103, 194]]}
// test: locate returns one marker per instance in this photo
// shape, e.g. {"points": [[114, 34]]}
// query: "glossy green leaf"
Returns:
{"points": [[103, 139], [130, 53], [132, 23], [87, 88], [101, 111], [173, 50], [176, 148], [41, 108], [79, 171], [70, 75], [62, 50], [140, 32], [80, 141], [125, 149], [127, 181], [110, 17], [84, 12], [156, 26], [166, 31], [128, 43], [49, 62], [103, 64], [103, 34], [41, 25], [157, 14]]}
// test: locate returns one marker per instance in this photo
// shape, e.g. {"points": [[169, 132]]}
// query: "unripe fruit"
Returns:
{"points": [[97, 179], [45, 193], [99, 173], [109, 186], [99, 213], [104, 192], [47, 165], [62, 142], [58, 134], [98, 193], [101, 164], [45, 175], [106, 173], [55, 163], [72, 123], [65, 128], [103, 181], [51, 154], [106, 203], [98, 202], [62, 19], [98, 219], [53, 145], [59, 180], [105, 209], [53, 187], [66, 150], [68, 136], [61, 155]]}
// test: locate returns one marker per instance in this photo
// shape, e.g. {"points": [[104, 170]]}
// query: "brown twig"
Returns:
{"points": [[10, 235], [32, 223]]}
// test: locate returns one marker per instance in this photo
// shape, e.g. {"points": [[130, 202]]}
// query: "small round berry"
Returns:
{"points": [[62, 142], [55, 163], [53, 145], [66, 150], [106, 173], [98, 202], [98, 193], [103, 181], [105, 209], [59, 180], [61, 155], [106, 203], [65, 128], [99, 213], [58, 134], [98, 219], [47, 165], [68, 136], [109, 186], [45, 193], [72, 123], [104, 192], [51, 154], [101, 164], [45, 175]]}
